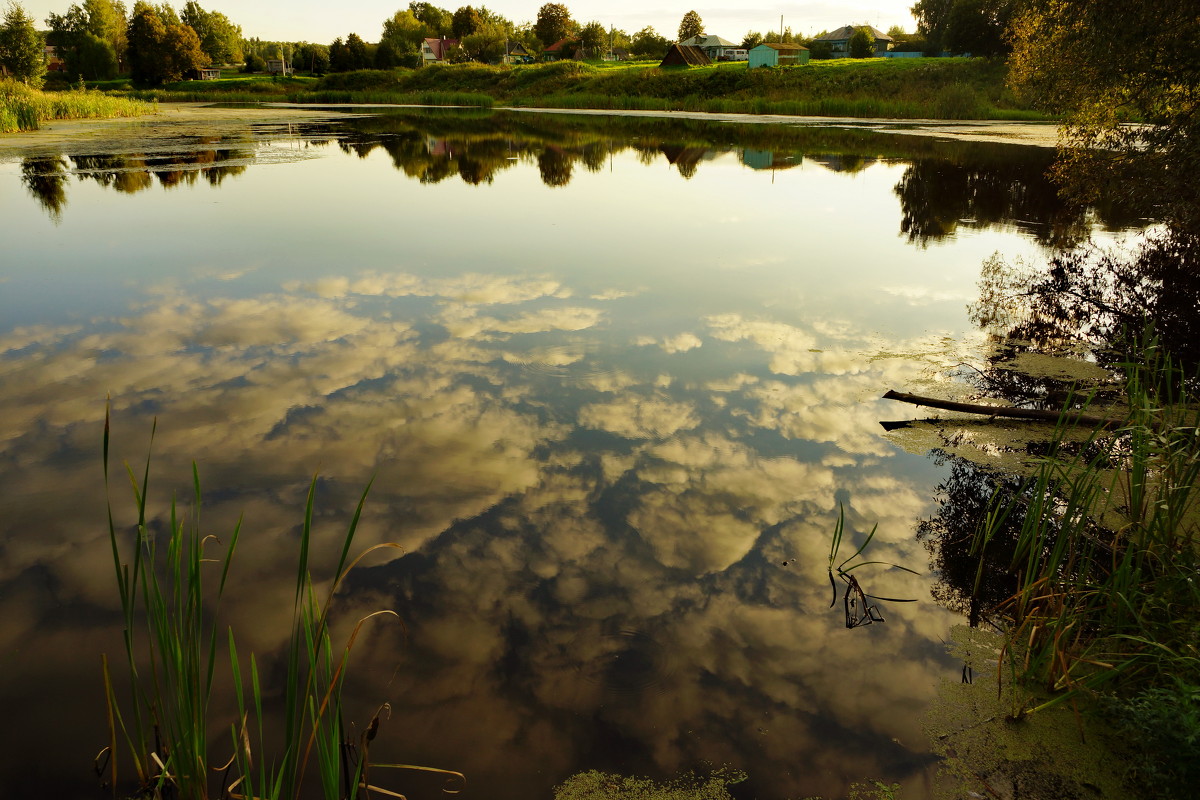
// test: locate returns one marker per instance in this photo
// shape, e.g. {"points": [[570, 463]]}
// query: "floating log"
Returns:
{"points": [[1070, 417]]}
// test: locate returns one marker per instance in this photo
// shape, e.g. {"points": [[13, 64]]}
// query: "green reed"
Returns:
{"points": [[23, 108], [173, 640], [1106, 556]]}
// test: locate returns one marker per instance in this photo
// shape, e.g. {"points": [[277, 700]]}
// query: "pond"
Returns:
{"points": [[611, 381]]}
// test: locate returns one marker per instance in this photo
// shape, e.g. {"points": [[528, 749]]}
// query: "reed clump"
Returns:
{"points": [[171, 584], [1106, 609], [23, 108]]}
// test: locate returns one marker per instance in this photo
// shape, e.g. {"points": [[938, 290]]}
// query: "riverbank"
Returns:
{"points": [[952, 88], [197, 120]]}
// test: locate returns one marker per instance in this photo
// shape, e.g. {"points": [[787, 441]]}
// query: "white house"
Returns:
{"points": [[716, 48]]}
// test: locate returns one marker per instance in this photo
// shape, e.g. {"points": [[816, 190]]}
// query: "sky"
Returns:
{"points": [[325, 20]]}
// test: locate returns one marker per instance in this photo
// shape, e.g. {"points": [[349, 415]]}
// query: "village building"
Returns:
{"points": [[839, 40], [716, 48], [437, 51], [777, 54], [682, 55], [517, 53]]}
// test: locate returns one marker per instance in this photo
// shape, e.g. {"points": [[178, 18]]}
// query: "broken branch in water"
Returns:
{"points": [[1070, 417]]}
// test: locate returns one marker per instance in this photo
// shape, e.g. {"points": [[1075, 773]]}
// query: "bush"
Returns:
{"points": [[254, 64]]}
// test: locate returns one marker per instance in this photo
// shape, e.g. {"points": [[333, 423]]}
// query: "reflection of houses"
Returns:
{"points": [[769, 159], [843, 162], [716, 48], [686, 159], [437, 51], [682, 55], [777, 54], [839, 40], [278, 66]]}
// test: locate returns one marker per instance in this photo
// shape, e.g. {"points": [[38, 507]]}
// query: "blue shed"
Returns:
{"points": [[776, 54]]}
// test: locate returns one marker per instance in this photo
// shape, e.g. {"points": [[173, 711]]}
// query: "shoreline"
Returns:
{"points": [[177, 120]]}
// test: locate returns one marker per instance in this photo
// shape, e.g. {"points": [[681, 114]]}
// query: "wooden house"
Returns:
{"points": [[278, 66], [682, 55], [839, 40], [437, 51]]}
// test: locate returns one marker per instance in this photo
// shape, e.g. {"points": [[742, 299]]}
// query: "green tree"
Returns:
{"points": [[647, 43], [22, 48], [161, 48], [465, 21], [219, 37], [592, 38], [312, 57], [862, 43], [405, 32], [438, 20], [93, 58], [254, 63], [1102, 62], [752, 39], [553, 23], [691, 25], [486, 43]]}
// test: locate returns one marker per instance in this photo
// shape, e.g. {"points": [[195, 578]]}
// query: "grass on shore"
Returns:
{"points": [[24, 109], [954, 88]]}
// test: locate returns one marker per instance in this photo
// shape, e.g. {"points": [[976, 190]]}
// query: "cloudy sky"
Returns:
{"points": [[322, 20]]}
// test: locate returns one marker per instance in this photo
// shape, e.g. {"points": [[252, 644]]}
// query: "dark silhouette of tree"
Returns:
{"points": [[978, 27], [964, 500], [46, 179], [356, 52], [932, 17], [555, 166]]}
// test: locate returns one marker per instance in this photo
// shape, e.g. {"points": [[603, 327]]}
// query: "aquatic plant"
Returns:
{"points": [[1106, 555], [172, 639], [854, 599], [23, 108]]}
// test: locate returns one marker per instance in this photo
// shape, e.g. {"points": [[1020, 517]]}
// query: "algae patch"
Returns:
{"points": [[1054, 754]]}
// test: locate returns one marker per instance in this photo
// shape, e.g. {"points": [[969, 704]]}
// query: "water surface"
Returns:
{"points": [[612, 380]]}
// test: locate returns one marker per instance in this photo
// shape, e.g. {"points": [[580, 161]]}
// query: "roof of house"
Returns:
{"points": [[560, 44], [705, 40], [781, 46], [681, 54], [845, 32], [441, 46]]}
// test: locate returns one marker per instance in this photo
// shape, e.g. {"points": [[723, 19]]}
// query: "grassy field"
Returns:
{"points": [[952, 88], [25, 109]]}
